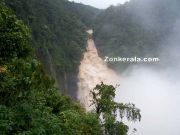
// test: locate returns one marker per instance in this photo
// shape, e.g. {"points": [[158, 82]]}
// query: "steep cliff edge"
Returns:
{"points": [[58, 36]]}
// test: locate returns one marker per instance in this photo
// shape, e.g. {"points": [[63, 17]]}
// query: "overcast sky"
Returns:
{"points": [[100, 3]]}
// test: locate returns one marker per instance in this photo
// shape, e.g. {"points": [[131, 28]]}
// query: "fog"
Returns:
{"points": [[156, 90], [157, 95]]}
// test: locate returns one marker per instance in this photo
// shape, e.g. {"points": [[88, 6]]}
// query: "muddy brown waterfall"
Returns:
{"points": [[92, 71]]}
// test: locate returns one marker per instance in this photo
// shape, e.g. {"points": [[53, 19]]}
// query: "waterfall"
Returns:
{"points": [[92, 71]]}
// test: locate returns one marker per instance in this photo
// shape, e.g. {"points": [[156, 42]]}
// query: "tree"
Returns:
{"points": [[14, 36], [107, 110], [29, 102], [58, 36]]}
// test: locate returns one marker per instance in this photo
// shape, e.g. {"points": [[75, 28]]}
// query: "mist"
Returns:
{"points": [[157, 95], [156, 90]]}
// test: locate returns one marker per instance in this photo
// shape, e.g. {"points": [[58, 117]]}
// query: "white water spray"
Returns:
{"points": [[92, 71]]}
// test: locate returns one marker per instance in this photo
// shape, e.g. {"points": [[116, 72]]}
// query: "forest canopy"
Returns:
{"points": [[30, 104]]}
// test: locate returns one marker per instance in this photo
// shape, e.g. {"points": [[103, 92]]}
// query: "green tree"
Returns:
{"points": [[29, 102], [107, 110], [58, 36], [14, 36]]}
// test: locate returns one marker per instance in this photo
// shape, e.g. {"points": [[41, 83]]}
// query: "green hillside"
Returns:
{"points": [[31, 105], [58, 36], [41, 45], [138, 28]]}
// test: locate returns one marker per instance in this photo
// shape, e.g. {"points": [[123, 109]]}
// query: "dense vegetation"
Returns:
{"points": [[108, 110], [138, 28], [58, 36], [31, 105]]}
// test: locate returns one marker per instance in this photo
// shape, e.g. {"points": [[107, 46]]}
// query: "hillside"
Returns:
{"points": [[29, 102], [58, 36], [138, 28], [31, 105], [48, 87]]}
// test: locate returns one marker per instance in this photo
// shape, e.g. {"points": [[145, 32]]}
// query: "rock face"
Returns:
{"points": [[92, 71]]}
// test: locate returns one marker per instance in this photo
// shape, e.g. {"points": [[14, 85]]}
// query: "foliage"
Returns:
{"points": [[85, 13], [29, 102], [58, 35], [31, 105], [13, 36], [108, 109], [137, 28]]}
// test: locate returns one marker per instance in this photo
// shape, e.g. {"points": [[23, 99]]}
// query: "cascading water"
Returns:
{"points": [[92, 71], [155, 93]]}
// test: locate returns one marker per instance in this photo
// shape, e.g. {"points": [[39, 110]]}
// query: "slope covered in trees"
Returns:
{"points": [[137, 28], [29, 102], [31, 105], [58, 36]]}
